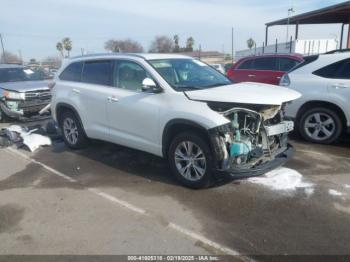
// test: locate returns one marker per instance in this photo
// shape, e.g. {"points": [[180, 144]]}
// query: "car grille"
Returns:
{"points": [[38, 95]]}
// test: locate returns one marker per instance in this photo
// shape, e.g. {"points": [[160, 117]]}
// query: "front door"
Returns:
{"points": [[133, 115]]}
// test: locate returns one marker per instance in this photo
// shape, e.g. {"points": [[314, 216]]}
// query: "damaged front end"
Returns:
{"points": [[255, 140]]}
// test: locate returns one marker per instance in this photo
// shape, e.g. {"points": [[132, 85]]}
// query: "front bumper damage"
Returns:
{"points": [[253, 143]]}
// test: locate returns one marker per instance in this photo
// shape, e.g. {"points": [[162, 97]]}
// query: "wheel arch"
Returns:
{"points": [[176, 126], [319, 103], [63, 107]]}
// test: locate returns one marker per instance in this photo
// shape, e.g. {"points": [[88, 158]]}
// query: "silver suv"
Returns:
{"points": [[175, 107]]}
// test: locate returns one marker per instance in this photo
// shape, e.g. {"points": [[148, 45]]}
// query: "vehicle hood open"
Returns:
{"points": [[245, 93], [25, 86]]}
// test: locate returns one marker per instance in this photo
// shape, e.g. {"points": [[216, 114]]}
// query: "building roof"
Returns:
{"points": [[335, 14]]}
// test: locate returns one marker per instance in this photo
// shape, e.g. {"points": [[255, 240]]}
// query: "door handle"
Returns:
{"points": [[340, 86], [251, 75], [112, 99], [76, 90]]}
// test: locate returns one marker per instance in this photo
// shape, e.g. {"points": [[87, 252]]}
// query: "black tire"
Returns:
{"points": [[4, 118], [81, 138], [305, 132], [198, 141]]}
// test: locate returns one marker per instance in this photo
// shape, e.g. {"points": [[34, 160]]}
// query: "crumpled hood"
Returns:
{"points": [[24, 86], [245, 93]]}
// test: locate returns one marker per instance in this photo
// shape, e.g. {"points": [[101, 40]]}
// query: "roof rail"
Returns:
{"points": [[102, 54]]}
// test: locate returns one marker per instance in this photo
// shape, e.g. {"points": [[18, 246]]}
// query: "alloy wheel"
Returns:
{"points": [[319, 126], [70, 130]]}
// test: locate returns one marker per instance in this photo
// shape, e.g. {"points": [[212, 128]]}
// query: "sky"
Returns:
{"points": [[33, 27]]}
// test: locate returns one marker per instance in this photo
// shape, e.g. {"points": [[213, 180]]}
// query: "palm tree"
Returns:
{"points": [[176, 42], [67, 44], [250, 43], [190, 43], [59, 47]]}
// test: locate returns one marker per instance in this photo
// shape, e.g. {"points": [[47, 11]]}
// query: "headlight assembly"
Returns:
{"points": [[14, 95]]}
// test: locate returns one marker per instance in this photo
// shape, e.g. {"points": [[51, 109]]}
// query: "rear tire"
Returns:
{"points": [[320, 125], [190, 160], [72, 131]]}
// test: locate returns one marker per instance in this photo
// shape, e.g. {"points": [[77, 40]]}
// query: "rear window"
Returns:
{"points": [[72, 72], [246, 64], [338, 70], [286, 64], [307, 60], [265, 63], [98, 72]]}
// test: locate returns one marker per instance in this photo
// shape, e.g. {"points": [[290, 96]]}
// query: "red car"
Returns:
{"points": [[264, 68]]}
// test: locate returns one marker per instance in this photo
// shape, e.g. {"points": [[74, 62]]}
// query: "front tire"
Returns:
{"points": [[190, 160], [72, 131], [320, 125]]}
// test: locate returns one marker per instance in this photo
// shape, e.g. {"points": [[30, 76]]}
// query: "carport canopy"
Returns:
{"points": [[335, 14]]}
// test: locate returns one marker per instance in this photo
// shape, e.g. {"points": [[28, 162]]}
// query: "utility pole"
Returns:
{"points": [[3, 49], [290, 11], [232, 43]]}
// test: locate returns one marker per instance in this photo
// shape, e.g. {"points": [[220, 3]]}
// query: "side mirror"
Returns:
{"points": [[148, 85]]}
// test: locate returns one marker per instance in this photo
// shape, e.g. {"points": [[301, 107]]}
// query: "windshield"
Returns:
{"points": [[187, 74], [19, 74]]}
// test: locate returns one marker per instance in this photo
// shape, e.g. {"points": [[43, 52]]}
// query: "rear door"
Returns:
{"points": [[93, 92], [266, 70]]}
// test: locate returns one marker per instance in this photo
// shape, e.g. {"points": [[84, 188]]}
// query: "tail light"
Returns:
{"points": [[51, 85], [285, 80], [230, 73]]}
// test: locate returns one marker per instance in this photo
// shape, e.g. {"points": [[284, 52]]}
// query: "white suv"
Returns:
{"points": [[176, 107], [323, 111]]}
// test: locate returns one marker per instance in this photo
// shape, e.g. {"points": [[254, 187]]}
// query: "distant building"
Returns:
{"points": [[209, 57]]}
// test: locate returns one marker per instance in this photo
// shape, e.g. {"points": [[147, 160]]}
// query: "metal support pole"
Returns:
{"points": [[348, 43], [297, 30], [3, 49], [290, 44], [276, 48], [266, 35], [232, 44], [341, 36], [263, 48]]}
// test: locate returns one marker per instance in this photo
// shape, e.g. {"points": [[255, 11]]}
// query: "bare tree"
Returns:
{"points": [[126, 45], [52, 62], [10, 58], [162, 44]]}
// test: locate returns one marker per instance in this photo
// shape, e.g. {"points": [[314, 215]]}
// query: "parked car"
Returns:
{"points": [[263, 69], [175, 107], [23, 92], [219, 67], [323, 111]]}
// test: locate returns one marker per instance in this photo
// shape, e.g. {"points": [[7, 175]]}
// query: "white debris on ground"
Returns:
{"points": [[347, 186], [32, 141], [334, 192], [284, 179]]}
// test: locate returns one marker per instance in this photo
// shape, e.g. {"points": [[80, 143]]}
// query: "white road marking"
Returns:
{"points": [[131, 207]]}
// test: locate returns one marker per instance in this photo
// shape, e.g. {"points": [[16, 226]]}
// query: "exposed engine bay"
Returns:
{"points": [[254, 136]]}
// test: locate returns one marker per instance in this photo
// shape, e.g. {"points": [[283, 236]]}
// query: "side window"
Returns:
{"points": [[336, 70], [72, 72], [129, 75], [98, 72], [286, 64], [246, 65], [265, 63]]}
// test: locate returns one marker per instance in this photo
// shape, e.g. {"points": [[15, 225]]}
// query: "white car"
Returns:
{"points": [[323, 111], [219, 67], [174, 107]]}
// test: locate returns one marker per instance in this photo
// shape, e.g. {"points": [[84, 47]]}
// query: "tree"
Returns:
{"points": [[10, 58], [189, 44], [59, 47], [176, 44], [67, 45], [250, 43], [127, 45], [162, 44]]}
